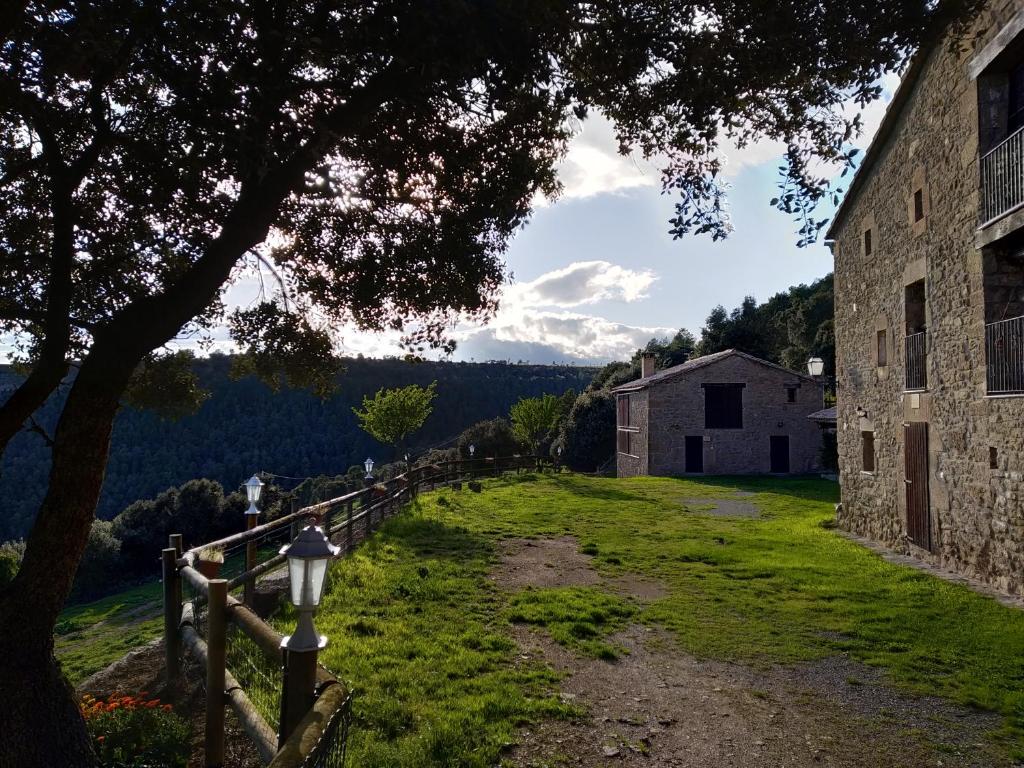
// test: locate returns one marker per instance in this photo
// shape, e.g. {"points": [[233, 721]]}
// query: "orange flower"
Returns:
{"points": [[166, 707]]}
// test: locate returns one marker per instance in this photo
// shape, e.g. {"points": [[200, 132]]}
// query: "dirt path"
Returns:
{"points": [[658, 706]]}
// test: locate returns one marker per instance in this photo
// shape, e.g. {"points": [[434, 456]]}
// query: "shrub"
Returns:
{"points": [[100, 569], [133, 732], [587, 435], [11, 553], [493, 438]]}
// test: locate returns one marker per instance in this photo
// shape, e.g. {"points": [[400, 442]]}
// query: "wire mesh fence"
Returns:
{"points": [[330, 750], [259, 676]]}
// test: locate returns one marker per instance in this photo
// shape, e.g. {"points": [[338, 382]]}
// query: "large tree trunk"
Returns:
{"points": [[42, 725]]}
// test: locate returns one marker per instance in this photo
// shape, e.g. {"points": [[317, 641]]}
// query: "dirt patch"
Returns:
{"points": [[640, 587], [547, 563], [722, 507], [544, 563], [659, 707]]}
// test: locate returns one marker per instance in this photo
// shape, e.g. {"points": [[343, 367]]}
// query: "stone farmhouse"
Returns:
{"points": [[725, 413], [929, 280]]}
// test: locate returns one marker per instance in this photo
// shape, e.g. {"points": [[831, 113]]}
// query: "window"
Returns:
{"points": [[918, 205], [623, 405], [867, 440], [867, 242], [993, 457], [723, 406], [881, 350], [790, 394], [623, 442]]}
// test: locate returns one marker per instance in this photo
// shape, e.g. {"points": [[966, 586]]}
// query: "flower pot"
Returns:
{"points": [[209, 568]]}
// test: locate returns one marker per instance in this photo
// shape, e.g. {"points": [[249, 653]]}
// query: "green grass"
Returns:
{"points": [[423, 635], [90, 636]]}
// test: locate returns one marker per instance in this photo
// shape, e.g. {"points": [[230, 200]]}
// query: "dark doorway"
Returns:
{"points": [[694, 455], [779, 454], [915, 449]]}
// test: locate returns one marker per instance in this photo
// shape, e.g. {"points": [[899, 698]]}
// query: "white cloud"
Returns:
{"points": [[533, 320], [593, 165], [583, 282]]}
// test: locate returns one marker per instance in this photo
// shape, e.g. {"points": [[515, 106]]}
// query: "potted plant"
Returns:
{"points": [[209, 561]]}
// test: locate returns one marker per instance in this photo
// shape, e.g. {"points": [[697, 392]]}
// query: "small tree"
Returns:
{"points": [[533, 417], [492, 438], [391, 415]]}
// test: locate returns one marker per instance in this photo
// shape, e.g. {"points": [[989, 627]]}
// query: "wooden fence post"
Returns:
{"points": [[298, 692], [172, 616], [249, 588], [216, 642]]}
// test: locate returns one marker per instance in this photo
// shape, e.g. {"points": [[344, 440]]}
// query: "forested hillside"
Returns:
{"points": [[244, 427]]}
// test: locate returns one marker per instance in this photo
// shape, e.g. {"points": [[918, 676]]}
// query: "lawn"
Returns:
{"points": [[423, 635], [90, 636]]}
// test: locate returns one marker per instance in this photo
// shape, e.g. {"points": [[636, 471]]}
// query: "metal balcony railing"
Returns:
{"points": [[1004, 356], [917, 361], [1002, 177]]}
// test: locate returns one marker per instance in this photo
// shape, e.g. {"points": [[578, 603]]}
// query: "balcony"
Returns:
{"points": [[1004, 356], [917, 362], [1002, 178]]}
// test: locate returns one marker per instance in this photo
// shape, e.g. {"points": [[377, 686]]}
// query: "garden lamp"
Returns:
{"points": [[253, 489], [308, 557], [815, 366], [472, 450], [368, 465]]}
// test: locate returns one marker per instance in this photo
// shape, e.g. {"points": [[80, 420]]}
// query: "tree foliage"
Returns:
{"points": [[492, 438], [392, 415], [533, 417], [787, 329]]}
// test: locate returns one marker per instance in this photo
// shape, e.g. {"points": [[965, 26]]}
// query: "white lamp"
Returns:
{"points": [[472, 450], [815, 366], [308, 557], [253, 489]]}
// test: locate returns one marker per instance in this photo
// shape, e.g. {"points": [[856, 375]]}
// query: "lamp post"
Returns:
{"points": [[368, 466], [816, 369], [253, 490], [308, 555]]}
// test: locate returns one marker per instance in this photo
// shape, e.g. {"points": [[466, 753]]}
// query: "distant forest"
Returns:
{"points": [[245, 427]]}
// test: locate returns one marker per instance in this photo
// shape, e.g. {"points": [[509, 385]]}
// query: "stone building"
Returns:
{"points": [[929, 281], [726, 413]]}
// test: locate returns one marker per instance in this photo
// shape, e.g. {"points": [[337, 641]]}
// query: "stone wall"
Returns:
{"points": [[677, 411], [635, 463], [976, 512]]}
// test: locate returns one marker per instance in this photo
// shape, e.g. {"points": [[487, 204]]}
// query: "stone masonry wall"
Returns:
{"points": [[977, 513], [677, 410]]}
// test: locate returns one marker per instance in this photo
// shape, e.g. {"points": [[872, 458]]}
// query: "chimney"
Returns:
{"points": [[646, 365]]}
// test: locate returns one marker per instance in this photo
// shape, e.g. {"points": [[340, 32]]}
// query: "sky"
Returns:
{"points": [[595, 274]]}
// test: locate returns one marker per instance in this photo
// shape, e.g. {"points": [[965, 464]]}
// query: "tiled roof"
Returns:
{"points": [[701, 362]]}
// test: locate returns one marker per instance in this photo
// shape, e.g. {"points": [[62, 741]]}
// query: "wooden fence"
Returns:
{"points": [[295, 718]]}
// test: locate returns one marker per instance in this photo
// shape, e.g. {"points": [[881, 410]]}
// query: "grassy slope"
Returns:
{"points": [[422, 633], [92, 635]]}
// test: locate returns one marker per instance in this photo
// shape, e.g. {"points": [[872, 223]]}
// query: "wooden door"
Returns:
{"points": [[779, 454], [694, 454], [915, 452]]}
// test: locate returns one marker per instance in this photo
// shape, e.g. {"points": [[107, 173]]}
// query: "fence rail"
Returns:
{"points": [[1002, 178], [243, 656], [1004, 356], [917, 361]]}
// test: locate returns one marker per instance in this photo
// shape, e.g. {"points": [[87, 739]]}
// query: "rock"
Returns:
{"points": [[610, 751]]}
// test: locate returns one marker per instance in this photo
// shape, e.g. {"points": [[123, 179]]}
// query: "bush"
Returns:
{"points": [[587, 434], [100, 568], [11, 553], [493, 438], [132, 732]]}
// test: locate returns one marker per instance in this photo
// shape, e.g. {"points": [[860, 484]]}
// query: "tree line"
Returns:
{"points": [[244, 426]]}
